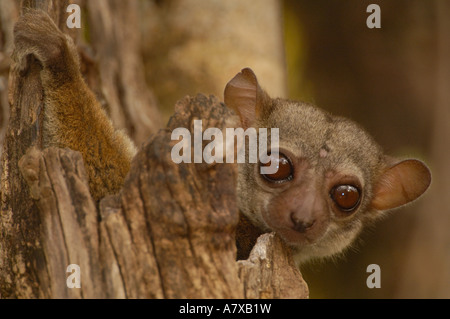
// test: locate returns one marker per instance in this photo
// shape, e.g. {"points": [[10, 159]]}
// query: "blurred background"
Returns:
{"points": [[394, 81]]}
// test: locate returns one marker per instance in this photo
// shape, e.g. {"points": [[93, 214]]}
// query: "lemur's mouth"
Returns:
{"points": [[295, 238]]}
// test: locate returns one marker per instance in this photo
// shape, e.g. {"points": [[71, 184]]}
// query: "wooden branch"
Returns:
{"points": [[270, 271], [170, 233], [57, 180]]}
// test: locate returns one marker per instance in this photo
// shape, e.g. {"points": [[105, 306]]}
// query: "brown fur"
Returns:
{"points": [[73, 117], [325, 151]]}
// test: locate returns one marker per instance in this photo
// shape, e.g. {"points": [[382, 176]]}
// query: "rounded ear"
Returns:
{"points": [[400, 184], [244, 95]]}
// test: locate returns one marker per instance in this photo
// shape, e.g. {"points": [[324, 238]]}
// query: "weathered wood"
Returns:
{"points": [[270, 271], [58, 182], [21, 254], [170, 233]]}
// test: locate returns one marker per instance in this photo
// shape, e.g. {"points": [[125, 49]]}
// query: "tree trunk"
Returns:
{"points": [[22, 260], [205, 43], [169, 233]]}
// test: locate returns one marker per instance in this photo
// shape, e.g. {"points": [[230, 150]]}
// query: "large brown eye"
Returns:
{"points": [[285, 170], [346, 197]]}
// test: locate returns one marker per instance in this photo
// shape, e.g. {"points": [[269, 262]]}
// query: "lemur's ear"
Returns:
{"points": [[400, 184], [244, 95]]}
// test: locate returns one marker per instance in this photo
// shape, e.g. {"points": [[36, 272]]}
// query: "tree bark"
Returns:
{"points": [[270, 271], [21, 255], [170, 233]]}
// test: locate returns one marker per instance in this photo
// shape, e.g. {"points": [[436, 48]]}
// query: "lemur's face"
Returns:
{"points": [[332, 177]]}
